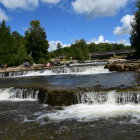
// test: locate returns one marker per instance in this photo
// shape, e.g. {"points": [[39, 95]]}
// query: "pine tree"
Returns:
{"points": [[59, 49], [6, 45], [36, 43]]}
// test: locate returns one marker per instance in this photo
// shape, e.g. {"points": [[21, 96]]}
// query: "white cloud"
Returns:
{"points": [[51, 1], [100, 40], [22, 4], [25, 4], [124, 41], [98, 8], [126, 26], [3, 16], [53, 45]]}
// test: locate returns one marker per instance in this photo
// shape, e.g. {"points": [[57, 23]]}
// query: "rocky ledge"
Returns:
{"points": [[123, 65]]}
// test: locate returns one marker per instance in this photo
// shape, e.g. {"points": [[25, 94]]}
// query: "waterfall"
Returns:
{"points": [[79, 69], [101, 105], [113, 97], [18, 94]]}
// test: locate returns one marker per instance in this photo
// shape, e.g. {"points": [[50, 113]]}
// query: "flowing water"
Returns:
{"points": [[82, 69], [107, 105]]}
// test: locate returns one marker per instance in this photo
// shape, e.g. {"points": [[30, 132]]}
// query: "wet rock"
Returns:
{"points": [[42, 96], [61, 98], [57, 97]]}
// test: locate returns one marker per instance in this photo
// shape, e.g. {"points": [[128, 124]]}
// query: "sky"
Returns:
{"points": [[66, 21]]}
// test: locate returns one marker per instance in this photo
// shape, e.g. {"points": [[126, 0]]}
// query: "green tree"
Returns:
{"points": [[59, 48], [80, 50], [36, 43], [135, 33], [20, 54], [6, 45]]}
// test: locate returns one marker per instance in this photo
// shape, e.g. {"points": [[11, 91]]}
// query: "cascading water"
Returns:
{"points": [[18, 94], [80, 69], [95, 115], [100, 105], [113, 97]]}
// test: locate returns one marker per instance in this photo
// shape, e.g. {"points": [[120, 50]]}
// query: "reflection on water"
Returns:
{"points": [[108, 80]]}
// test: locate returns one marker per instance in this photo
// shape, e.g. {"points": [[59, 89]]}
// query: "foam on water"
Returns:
{"points": [[90, 112], [85, 112], [5, 94]]}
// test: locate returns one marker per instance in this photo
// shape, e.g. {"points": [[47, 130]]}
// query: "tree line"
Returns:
{"points": [[33, 46], [80, 49], [16, 49]]}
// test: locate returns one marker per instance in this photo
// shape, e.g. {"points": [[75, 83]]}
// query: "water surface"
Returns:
{"points": [[111, 113]]}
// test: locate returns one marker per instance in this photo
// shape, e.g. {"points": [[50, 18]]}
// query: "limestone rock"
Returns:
{"points": [[124, 66]]}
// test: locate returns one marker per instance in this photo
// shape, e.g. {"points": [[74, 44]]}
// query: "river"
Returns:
{"points": [[106, 104]]}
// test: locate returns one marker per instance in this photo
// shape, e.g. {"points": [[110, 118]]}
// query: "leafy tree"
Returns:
{"points": [[36, 43], [80, 50], [21, 55], [135, 33], [59, 48]]}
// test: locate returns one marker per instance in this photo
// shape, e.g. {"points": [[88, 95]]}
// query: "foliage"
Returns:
{"points": [[6, 50], [80, 49], [12, 47], [59, 49], [36, 43], [16, 49], [12, 51], [135, 33]]}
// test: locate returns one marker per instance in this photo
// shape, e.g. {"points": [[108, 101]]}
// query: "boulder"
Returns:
{"points": [[123, 66]]}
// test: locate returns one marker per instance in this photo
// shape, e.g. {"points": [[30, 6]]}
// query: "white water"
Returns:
{"points": [[85, 112], [66, 70], [90, 112], [78, 70], [12, 94]]}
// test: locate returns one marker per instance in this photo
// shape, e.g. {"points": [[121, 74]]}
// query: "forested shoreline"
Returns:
{"points": [[15, 49], [32, 47]]}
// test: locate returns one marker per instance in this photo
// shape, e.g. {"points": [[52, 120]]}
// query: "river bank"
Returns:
{"points": [[42, 67], [113, 64], [123, 65], [22, 68]]}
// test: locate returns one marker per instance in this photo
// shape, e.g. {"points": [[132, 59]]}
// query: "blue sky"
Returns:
{"points": [[67, 20]]}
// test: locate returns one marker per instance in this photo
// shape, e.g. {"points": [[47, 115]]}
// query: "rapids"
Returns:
{"points": [[82, 69], [107, 104]]}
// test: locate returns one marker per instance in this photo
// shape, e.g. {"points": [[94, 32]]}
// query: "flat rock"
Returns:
{"points": [[125, 65]]}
